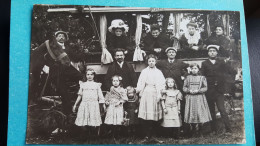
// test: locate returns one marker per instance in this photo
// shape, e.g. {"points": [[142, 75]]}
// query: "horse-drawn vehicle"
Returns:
{"points": [[87, 29]]}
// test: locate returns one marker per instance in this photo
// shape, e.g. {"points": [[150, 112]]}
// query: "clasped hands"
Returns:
{"points": [[194, 91]]}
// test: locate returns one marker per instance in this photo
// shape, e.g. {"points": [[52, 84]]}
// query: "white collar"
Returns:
{"points": [[62, 45], [120, 64], [170, 60], [213, 61]]}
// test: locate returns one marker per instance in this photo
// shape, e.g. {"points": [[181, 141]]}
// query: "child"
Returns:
{"points": [[171, 107], [91, 96], [118, 38], [114, 99], [196, 107], [131, 109]]}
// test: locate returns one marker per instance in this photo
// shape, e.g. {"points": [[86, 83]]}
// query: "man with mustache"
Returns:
{"points": [[68, 76], [121, 68]]}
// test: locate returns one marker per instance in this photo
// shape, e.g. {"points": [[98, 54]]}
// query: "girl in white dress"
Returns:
{"points": [[171, 108], [149, 86], [89, 96], [114, 100]]}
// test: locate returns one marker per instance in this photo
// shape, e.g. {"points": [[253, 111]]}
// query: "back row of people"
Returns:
{"points": [[156, 42]]}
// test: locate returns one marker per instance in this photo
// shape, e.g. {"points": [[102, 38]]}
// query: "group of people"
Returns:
{"points": [[156, 42], [169, 92], [165, 93]]}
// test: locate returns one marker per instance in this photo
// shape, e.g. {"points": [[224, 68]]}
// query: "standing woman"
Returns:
{"points": [[149, 86]]}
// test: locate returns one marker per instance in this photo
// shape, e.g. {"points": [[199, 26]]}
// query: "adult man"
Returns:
{"points": [[66, 76], [175, 69], [121, 68], [155, 42], [214, 70], [74, 54], [172, 67]]}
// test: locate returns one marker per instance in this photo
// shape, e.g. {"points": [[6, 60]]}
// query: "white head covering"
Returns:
{"points": [[118, 23]]}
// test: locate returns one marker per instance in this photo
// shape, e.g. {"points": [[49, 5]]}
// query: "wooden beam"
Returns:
{"points": [[121, 9]]}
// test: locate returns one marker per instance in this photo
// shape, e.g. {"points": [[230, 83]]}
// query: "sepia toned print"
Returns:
{"points": [[131, 75]]}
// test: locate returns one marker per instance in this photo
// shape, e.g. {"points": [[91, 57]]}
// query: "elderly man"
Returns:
{"points": [[214, 70], [121, 68]]}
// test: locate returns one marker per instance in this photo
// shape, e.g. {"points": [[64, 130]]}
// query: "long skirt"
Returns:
{"points": [[150, 108], [196, 109]]}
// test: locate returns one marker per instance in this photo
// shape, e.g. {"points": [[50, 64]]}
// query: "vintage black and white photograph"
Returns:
{"points": [[134, 75]]}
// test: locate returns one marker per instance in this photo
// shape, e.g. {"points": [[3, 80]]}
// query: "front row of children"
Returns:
{"points": [[122, 105]]}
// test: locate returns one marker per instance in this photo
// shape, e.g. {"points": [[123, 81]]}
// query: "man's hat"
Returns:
{"points": [[171, 48], [213, 46], [62, 32]]}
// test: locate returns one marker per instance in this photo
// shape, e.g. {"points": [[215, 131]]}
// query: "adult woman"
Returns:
{"points": [[149, 86], [218, 38], [156, 42], [118, 38], [191, 39]]}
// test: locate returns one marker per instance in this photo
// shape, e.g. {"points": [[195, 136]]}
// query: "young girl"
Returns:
{"points": [[149, 86], [91, 96], [118, 38], [171, 107], [114, 99], [196, 107]]}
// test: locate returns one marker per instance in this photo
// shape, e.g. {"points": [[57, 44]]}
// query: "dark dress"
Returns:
{"points": [[130, 106], [186, 46], [162, 41], [113, 42]]}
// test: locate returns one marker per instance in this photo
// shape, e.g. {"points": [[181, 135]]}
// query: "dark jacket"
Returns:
{"points": [[174, 70], [74, 53], [216, 73], [126, 72], [162, 41]]}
